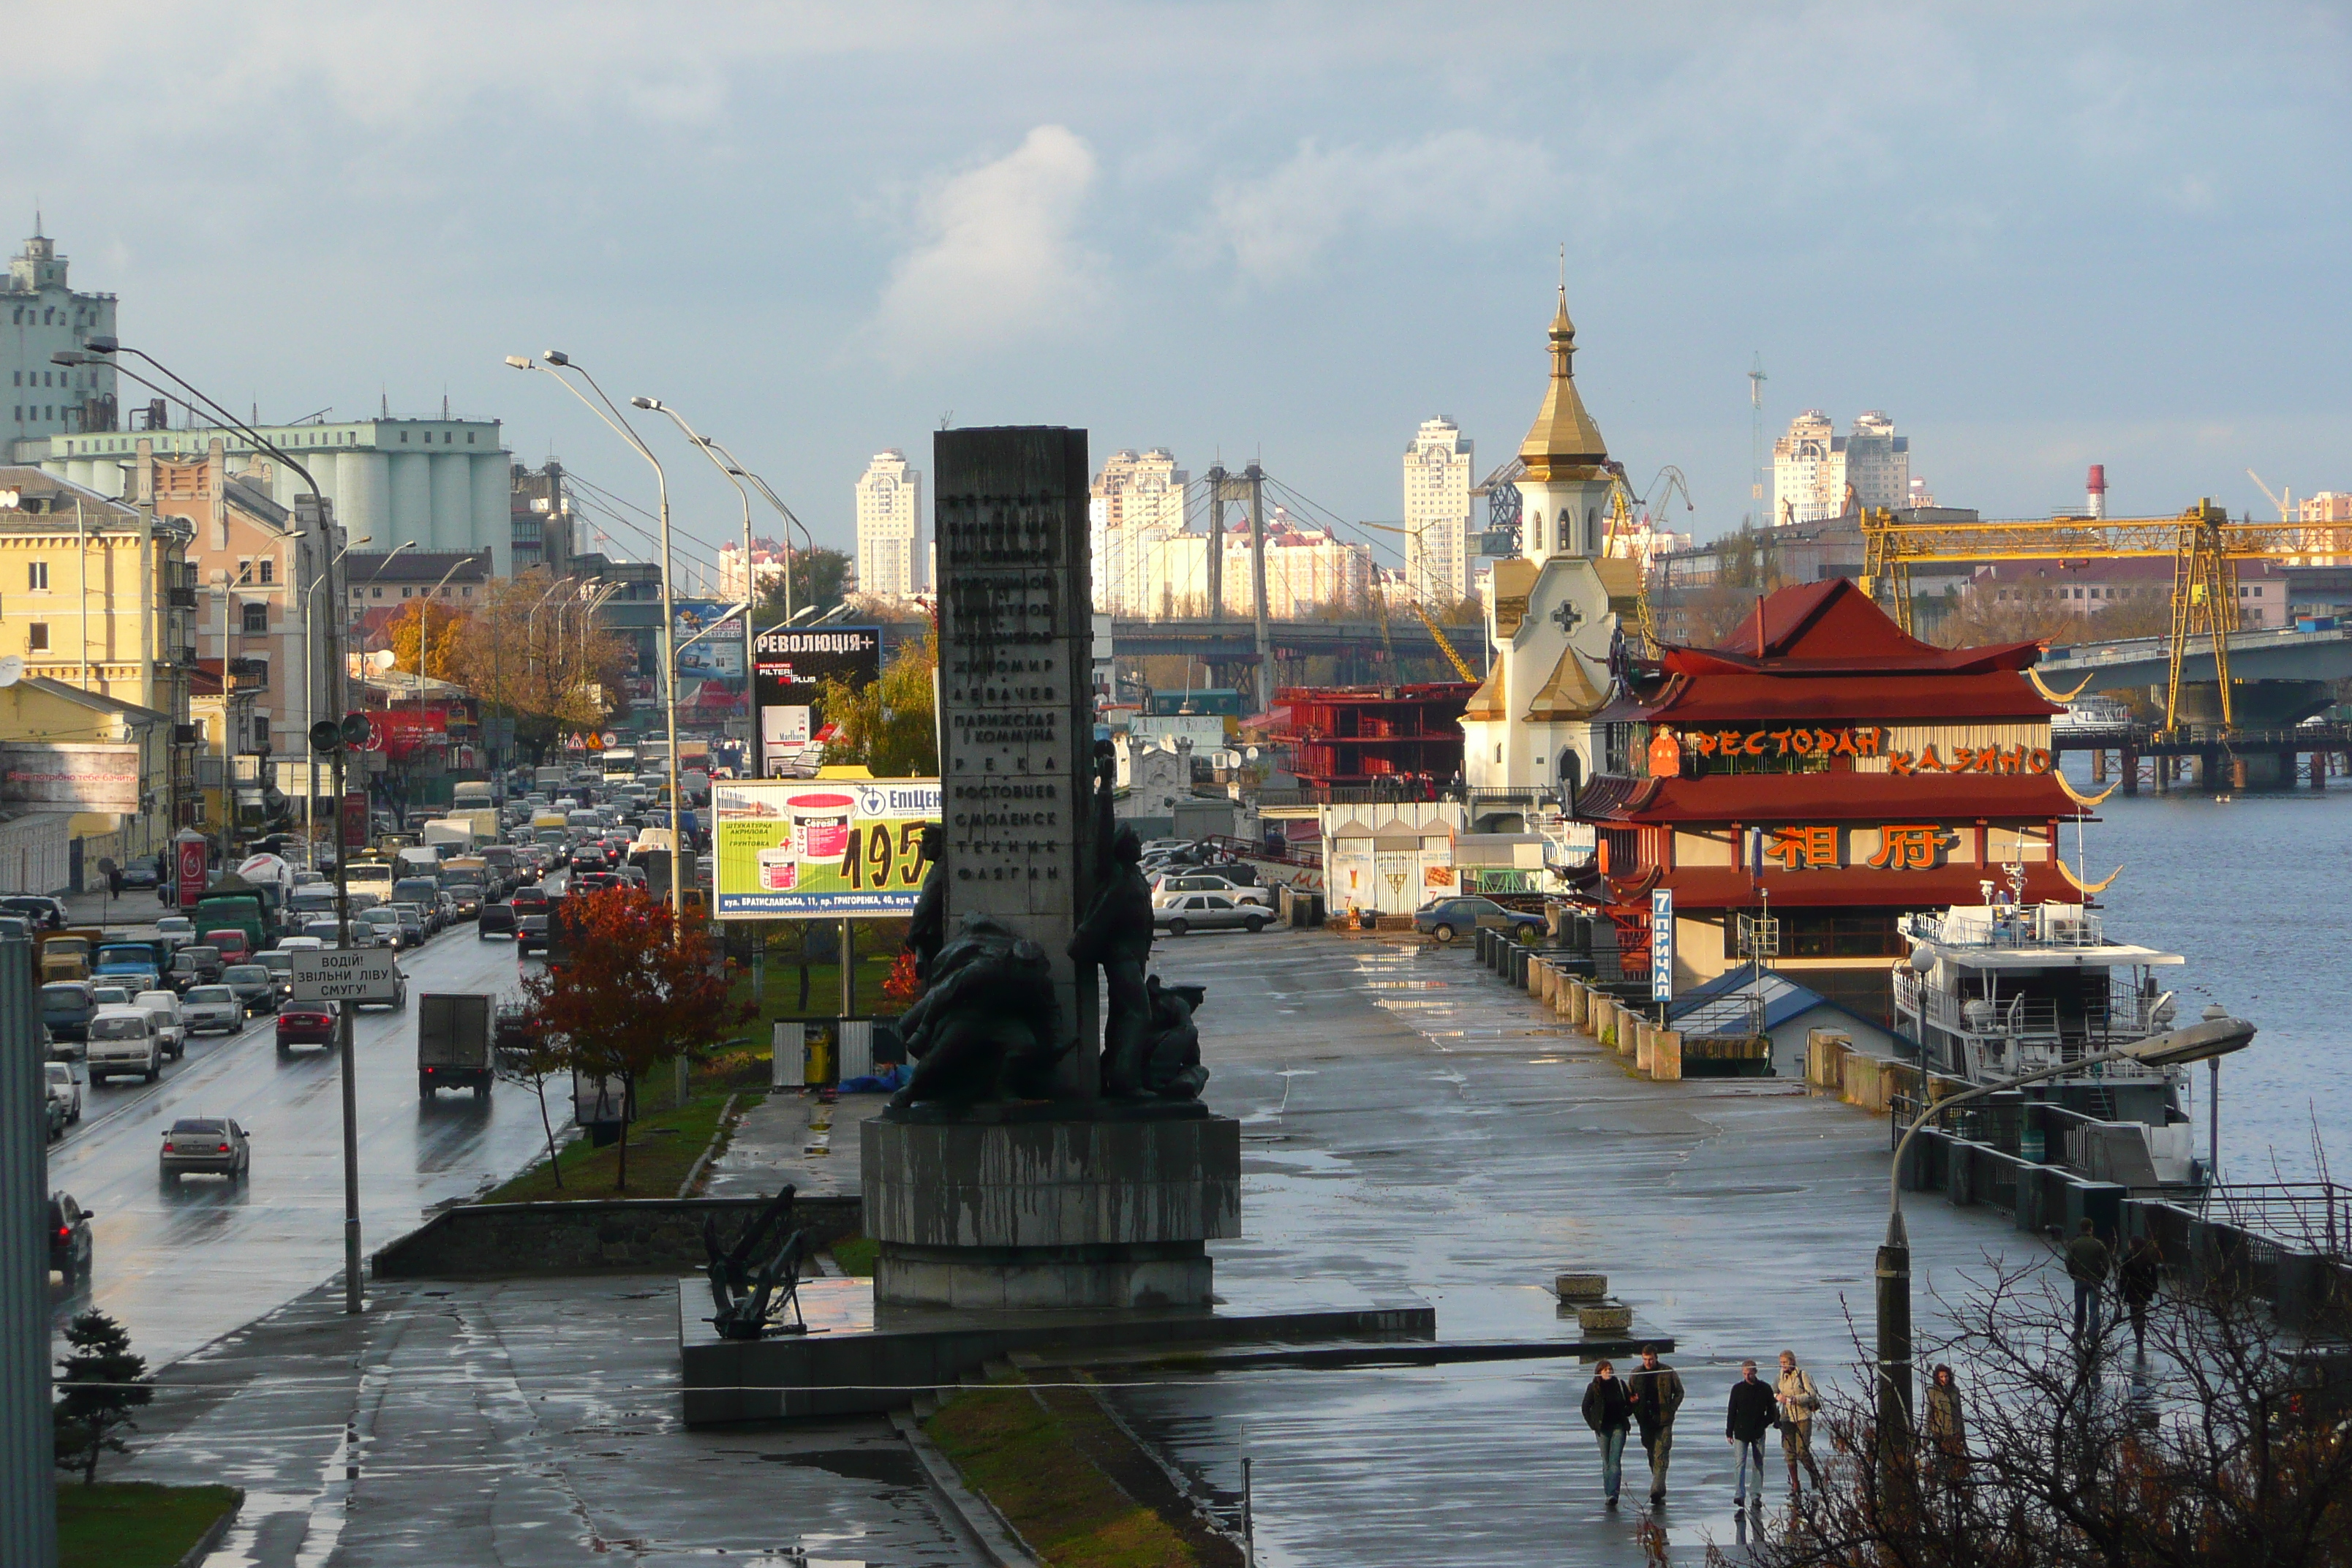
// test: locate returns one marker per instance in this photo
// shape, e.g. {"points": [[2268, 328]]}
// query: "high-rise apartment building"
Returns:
{"points": [[1136, 516], [1437, 483], [43, 315], [889, 525], [1813, 468]]}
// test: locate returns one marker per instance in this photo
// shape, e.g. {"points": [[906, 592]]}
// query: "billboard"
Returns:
{"points": [[820, 850], [73, 777], [791, 667], [718, 657]]}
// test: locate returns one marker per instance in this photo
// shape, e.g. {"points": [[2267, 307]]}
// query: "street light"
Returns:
{"points": [[310, 714], [424, 621], [2216, 1036], [669, 619], [346, 1058], [735, 476]]}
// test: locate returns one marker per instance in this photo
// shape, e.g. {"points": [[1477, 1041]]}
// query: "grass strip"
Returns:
{"points": [[856, 1253], [135, 1525], [1027, 1462], [663, 1146]]}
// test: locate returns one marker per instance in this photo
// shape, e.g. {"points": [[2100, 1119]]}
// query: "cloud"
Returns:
{"points": [[999, 260], [1277, 225]]}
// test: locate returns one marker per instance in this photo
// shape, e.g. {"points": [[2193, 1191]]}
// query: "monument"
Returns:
{"points": [[1050, 1150]]}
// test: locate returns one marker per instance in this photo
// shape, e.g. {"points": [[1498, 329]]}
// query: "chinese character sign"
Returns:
{"points": [[1804, 849], [1913, 848], [1661, 944]]}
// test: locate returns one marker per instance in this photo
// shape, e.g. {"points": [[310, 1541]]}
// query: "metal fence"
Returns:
{"points": [[2315, 1216]]}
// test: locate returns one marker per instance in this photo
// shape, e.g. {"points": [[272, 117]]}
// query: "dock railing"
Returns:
{"points": [[2315, 1216]]}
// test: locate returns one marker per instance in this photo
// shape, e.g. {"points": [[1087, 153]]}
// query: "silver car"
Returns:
{"points": [[170, 1026], [65, 1087], [213, 1145], [1174, 883], [1207, 911], [212, 1008]]}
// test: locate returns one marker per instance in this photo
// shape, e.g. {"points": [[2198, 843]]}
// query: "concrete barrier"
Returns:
{"points": [[1666, 1055], [1643, 1034], [1580, 1003], [1825, 1054], [639, 1236]]}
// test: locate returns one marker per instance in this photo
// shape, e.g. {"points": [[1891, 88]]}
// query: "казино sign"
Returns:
{"points": [[820, 849]]}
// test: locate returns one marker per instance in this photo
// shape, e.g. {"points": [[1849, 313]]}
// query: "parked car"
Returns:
{"points": [[212, 1008], [67, 1008], [46, 913], [123, 1043], [69, 1241], [496, 919], [170, 1029], [1207, 911], [197, 965], [305, 1024], [1174, 884], [254, 987], [1446, 918], [176, 931], [206, 1145], [142, 871], [63, 1088]]}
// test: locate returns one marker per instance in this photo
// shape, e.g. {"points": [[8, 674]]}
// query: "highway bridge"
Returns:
{"points": [[2284, 653], [1234, 641]]}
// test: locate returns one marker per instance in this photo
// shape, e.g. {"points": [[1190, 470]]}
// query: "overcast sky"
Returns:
{"points": [[2037, 236]]}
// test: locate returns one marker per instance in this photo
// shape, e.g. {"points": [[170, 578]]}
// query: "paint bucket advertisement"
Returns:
{"points": [[819, 849]]}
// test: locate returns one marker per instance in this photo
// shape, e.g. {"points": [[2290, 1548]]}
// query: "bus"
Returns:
{"points": [[620, 765]]}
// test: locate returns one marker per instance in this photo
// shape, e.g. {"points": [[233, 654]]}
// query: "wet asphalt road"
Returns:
{"points": [[181, 1262]]}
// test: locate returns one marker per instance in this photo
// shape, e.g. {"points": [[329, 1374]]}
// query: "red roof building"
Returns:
{"points": [[1823, 770], [1355, 736]]}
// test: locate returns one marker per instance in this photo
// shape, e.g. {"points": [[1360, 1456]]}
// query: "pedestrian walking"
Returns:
{"points": [[1656, 1391], [1609, 1412], [2086, 1266], [1946, 1430], [1798, 1399], [2140, 1274], [1753, 1410]]}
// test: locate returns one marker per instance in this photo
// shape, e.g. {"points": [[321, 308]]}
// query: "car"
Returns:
{"points": [[66, 1007], [124, 1042], [587, 858], [1175, 883], [305, 1024], [197, 964], [413, 929], [231, 943], [142, 871], [111, 996], [496, 919], [212, 1008], [63, 1088], [530, 934], [594, 881], [164, 1006], [253, 986], [69, 1241], [176, 931], [376, 928], [1446, 918], [300, 944], [529, 901], [46, 913], [1207, 911], [205, 1145], [466, 899], [280, 961]]}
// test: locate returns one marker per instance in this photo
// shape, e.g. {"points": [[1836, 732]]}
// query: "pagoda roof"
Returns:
{"points": [[1750, 697], [1838, 797], [1731, 887], [1833, 628]]}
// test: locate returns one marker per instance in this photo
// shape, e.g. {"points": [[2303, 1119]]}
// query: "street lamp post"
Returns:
{"points": [[2216, 1036], [346, 1062], [620, 426], [310, 711], [734, 476]]}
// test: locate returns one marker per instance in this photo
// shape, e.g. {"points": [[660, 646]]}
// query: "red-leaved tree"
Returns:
{"points": [[634, 989]]}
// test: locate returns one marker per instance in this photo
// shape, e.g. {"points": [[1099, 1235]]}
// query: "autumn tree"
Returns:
{"points": [[444, 626], [533, 649], [888, 725], [98, 1386], [639, 986]]}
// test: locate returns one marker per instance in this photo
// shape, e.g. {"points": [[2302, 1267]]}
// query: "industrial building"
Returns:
{"points": [[45, 314]]}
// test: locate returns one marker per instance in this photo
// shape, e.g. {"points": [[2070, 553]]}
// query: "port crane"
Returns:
{"points": [[2203, 545], [1462, 667]]}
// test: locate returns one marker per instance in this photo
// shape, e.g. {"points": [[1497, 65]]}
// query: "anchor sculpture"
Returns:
{"points": [[751, 1287]]}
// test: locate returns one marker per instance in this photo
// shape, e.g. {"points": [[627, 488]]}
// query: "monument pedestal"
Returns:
{"points": [[1049, 1215]]}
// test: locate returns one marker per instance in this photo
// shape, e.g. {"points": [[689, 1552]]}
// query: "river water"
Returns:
{"points": [[2255, 890]]}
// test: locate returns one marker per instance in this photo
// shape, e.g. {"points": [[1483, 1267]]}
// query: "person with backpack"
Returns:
{"points": [[1656, 1392], [1610, 1413]]}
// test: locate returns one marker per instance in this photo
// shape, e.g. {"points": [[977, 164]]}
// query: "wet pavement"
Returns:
{"points": [[183, 1261], [1409, 1122]]}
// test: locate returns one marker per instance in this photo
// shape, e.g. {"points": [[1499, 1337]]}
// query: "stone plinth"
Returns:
{"points": [[1049, 1213]]}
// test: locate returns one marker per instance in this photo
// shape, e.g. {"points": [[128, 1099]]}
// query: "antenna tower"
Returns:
{"points": [[1756, 379]]}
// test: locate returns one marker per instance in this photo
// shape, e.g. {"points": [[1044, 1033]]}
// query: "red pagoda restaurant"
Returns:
{"points": [[1801, 788]]}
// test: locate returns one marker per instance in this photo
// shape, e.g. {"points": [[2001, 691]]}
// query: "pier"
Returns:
{"points": [[2210, 760]]}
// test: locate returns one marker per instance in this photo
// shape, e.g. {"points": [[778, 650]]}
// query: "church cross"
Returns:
{"points": [[1568, 618]]}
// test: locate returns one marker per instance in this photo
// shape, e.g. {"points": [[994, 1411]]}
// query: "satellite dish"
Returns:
{"points": [[1251, 753], [12, 671], [382, 660]]}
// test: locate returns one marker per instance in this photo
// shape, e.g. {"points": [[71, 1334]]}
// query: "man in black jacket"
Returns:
{"points": [[1755, 1408], [1656, 1392], [1609, 1412]]}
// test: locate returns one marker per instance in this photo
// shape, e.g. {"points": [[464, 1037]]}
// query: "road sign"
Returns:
{"points": [[356, 819], [371, 974], [191, 860], [1661, 944]]}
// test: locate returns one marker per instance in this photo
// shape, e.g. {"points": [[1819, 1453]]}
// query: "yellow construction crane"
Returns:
{"points": [[2202, 543], [1621, 539], [1380, 600]]}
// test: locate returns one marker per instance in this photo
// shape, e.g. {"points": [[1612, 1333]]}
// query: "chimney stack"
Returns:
{"points": [[2095, 491]]}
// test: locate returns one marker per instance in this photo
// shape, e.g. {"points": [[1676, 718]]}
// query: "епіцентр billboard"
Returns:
{"points": [[819, 848]]}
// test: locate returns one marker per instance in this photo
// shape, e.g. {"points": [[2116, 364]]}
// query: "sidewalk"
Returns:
{"points": [[791, 1137]]}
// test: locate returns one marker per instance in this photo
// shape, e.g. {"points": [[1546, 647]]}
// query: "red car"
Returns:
{"points": [[305, 1024]]}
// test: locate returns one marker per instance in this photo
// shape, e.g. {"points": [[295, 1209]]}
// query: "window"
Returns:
{"points": [[244, 574], [469, 438], [37, 577], [257, 618], [405, 592], [375, 592], [260, 735], [268, 570], [36, 638]]}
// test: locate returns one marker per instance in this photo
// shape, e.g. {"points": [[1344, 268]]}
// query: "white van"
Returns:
{"points": [[170, 1029], [124, 1042]]}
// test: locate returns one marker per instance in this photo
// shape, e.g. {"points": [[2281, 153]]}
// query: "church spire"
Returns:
{"points": [[1563, 438]]}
